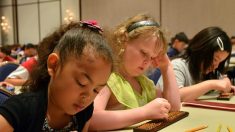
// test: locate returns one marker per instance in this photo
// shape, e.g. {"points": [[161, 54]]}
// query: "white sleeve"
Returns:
{"points": [[179, 71], [20, 72], [179, 75], [160, 83]]}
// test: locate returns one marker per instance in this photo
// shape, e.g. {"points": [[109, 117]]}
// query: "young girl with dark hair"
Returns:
{"points": [[206, 55], [73, 66]]}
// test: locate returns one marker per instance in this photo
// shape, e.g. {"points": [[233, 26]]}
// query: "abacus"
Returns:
{"points": [[156, 125], [225, 96]]}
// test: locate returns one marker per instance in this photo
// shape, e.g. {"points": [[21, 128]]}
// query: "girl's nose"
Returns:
{"points": [[215, 66], [147, 60]]}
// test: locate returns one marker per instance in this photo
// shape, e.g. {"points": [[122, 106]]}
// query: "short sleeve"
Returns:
{"points": [[84, 116], [29, 64], [179, 74], [20, 72], [88, 112]]}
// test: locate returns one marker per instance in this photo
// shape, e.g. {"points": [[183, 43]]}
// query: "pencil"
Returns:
{"points": [[229, 129], [197, 128], [219, 128]]}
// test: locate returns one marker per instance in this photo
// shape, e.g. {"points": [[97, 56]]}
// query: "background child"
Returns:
{"points": [[21, 74], [178, 44], [74, 64], [205, 57], [130, 97]]}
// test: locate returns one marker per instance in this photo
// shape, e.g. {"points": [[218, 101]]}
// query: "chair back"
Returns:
{"points": [[6, 69], [4, 95]]}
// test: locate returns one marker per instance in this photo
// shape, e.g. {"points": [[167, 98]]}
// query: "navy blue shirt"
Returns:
{"points": [[172, 52], [26, 112]]}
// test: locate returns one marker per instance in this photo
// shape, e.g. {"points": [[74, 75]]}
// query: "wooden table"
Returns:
{"points": [[202, 116]]}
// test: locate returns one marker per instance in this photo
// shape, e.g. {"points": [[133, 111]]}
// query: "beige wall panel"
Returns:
{"points": [[28, 24], [1, 34], [191, 16], [26, 1], [5, 2], [7, 36], [47, 0], [49, 17], [109, 13], [1, 39], [73, 7]]}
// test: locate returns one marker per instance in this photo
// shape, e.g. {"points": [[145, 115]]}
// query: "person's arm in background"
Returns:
{"points": [[188, 91], [16, 81], [194, 91], [21, 74], [171, 90], [4, 125], [6, 84], [18, 77]]}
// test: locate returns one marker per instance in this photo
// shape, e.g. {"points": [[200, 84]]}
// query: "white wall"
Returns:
{"points": [[35, 20], [5, 2], [73, 6], [6, 10], [26, 1], [189, 16], [111, 12], [192, 16], [49, 17], [28, 25]]}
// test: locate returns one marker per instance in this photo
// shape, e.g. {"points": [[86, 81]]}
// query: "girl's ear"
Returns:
{"points": [[52, 63]]}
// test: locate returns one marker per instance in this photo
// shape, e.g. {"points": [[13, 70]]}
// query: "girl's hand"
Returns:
{"points": [[4, 84], [225, 85], [233, 89], [161, 61], [157, 109]]}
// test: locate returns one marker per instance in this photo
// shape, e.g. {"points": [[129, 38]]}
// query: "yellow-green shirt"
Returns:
{"points": [[126, 95]]}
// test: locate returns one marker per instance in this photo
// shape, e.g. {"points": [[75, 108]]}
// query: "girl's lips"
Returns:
{"points": [[141, 68], [78, 107]]}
